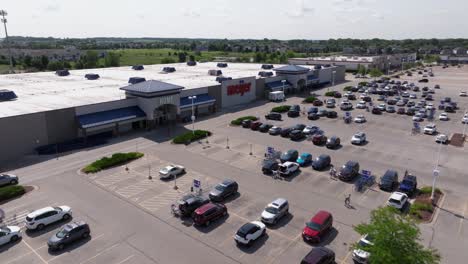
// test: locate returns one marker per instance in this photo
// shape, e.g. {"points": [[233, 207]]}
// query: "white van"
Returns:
{"points": [[276, 96]]}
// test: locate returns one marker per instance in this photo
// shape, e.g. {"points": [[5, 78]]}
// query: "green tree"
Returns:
{"points": [[182, 57], [191, 58], [91, 59], [112, 59], [283, 58], [167, 60], [396, 239], [361, 69], [375, 73], [44, 61], [37, 63], [27, 61], [55, 65]]}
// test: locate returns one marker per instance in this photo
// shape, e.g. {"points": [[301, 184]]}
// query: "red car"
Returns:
{"points": [[317, 227], [319, 139], [255, 125], [317, 102], [207, 213]]}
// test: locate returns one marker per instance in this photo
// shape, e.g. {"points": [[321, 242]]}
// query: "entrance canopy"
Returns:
{"points": [[112, 116], [278, 85], [151, 88], [201, 99]]}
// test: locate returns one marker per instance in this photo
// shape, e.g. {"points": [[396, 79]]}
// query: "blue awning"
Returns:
{"points": [[277, 85], [312, 78], [201, 99], [109, 117]]}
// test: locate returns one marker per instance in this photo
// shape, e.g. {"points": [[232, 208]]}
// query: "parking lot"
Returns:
{"points": [[130, 214]]}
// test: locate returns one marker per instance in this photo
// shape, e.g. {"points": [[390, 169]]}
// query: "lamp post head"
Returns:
{"points": [[3, 13]]}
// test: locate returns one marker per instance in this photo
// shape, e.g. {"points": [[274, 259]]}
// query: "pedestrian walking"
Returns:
{"points": [[347, 200]]}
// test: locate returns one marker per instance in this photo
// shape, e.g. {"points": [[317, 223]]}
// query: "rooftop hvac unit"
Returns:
{"points": [[138, 67], [267, 66], [135, 80], [7, 95], [92, 76], [191, 63], [215, 72], [221, 79], [169, 69], [64, 72], [318, 67], [222, 65]]}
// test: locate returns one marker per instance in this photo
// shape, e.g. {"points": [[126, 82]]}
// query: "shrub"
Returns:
{"points": [[238, 121], [191, 136], [363, 83], [310, 99], [348, 88], [281, 109], [428, 190], [331, 93], [11, 191], [114, 160]]}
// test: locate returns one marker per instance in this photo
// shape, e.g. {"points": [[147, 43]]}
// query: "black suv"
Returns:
{"points": [[290, 155], [246, 123], [273, 116], [321, 162], [68, 234], [264, 128], [333, 142], [389, 181], [296, 135], [223, 190], [269, 166], [349, 171], [188, 203], [409, 184], [285, 131], [294, 111]]}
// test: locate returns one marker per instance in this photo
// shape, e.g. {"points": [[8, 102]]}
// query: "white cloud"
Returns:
{"points": [[191, 13], [300, 9], [52, 7]]}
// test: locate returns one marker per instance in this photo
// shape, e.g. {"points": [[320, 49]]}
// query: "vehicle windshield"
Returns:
{"points": [[394, 201], [272, 210], [62, 233], [313, 226], [220, 187], [363, 243], [406, 182], [4, 229]]}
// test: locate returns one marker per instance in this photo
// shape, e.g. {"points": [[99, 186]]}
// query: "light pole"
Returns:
{"points": [[435, 172], [4, 13], [333, 80], [284, 83], [193, 113], [464, 126], [388, 69]]}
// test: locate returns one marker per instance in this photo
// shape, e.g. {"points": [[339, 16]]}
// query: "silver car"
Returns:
{"points": [[8, 179], [275, 210]]}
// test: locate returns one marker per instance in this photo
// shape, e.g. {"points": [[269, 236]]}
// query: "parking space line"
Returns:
{"points": [[125, 260], [92, 239], [100, 253], [34, 251], [346, 258], [19, 257], [273, 258]]}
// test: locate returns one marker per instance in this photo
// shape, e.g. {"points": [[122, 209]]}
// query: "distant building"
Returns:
{"points": [[459, 51], [69, 53]]}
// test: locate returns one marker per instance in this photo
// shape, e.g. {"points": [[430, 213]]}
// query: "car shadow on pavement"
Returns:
{"points": [[213, 225], [328, 238], [231, 198], [292, 176], [9, 245], [283, 221], [70, 247], [255, 246], [47, 229]]}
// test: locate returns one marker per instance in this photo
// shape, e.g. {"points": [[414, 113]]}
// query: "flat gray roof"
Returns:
{"points": [[44, 91]]}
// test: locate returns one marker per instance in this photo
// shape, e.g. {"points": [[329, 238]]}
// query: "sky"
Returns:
{"points": [[235, 19]]}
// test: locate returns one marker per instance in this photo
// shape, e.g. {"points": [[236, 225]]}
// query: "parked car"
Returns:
{"points": [[294, 111], [443, 117], [330, 103], [389, 181], [318, 227], [208, 213], [275, 210], [171, 171], [361, 256], [310, 130], [337, 95], [345, 106], [290, 155], [349, 171], [322, 112], [418, 117], [319, 139], [390, 109], [249, 233], [273, 116], [8, 179], [359, 138], [68, 234], [429, 97], [296, 135], [312, 109], [319, 255], [401, 111], [423, 81], [288, 168], [255, 125], [430, 129], [264, 128], [274, 131], [9, 234], [360, 119], [313, 116], [188, 203], [46, 216], [317, 102], [246, 123], [285, 131], [382, 107], [333, 142], [304, 159], [463, 94], [442, 139], [465, 119], [332, 114], [223, 190], [409, 184], [269, 166], [376, 111], [397, 200], [321, 162], [361, 105]]}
